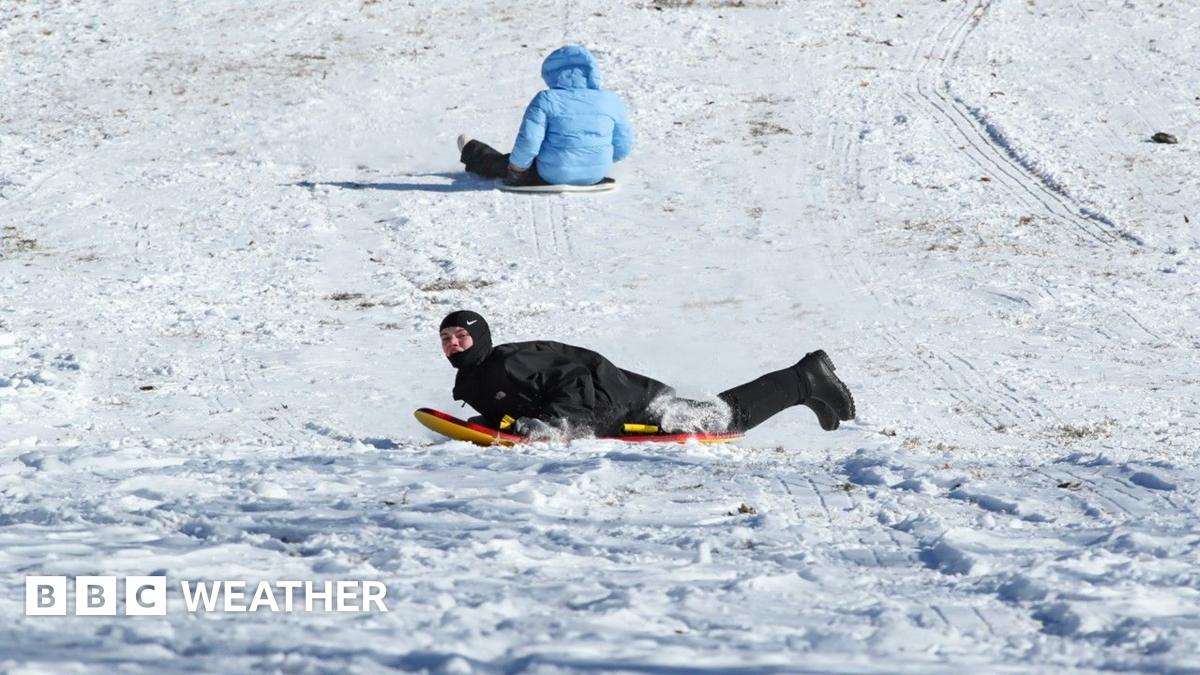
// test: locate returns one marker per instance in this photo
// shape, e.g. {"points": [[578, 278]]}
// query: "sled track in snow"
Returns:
{"points": [[1001, 395], [846, 144], [852, 272], [850, 540], [990, 400], [534, 233], [1120, 490], [562, 226], [794, 503], [850, 548], [984, 396], [985, 143], [274, 427], [1078, 499], [1057, 191], [547, 229]]}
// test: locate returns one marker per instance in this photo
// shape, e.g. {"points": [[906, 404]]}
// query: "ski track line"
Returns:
{"points": [[1143, 498], [568, 28], [1121, 509], [872, 547], [953, 381], [545, 225], [1023, 170], [998, 394], [1121, 487], [1138, 85], [532, 226], [987, 147], [1022, 164], [987, 624], [270, 426], [864, 276], [1077, 499], [967, 382], [850, 151], [837, 144], [563, 222], [501, 202], [1126, 312], [832, 182], [1074, 210], [979, 157], [1020, 177], [833, 533], [795, 511], [1045, 286], [938, 610], [1114, 301], [922, 56], [277, 421], [552, 225], [999, 390], [833, 529]]}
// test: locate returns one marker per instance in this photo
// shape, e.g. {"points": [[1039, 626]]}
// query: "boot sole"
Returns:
{"points": [[842, 388], [833, 425]]}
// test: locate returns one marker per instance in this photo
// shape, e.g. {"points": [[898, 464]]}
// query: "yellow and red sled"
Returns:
{"points": [[462, 430]]}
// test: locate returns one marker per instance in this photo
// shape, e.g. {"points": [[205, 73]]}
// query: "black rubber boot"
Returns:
{"points": [[811, 382], [482, 159], [755, 402], [819, 385], [825, 415]]}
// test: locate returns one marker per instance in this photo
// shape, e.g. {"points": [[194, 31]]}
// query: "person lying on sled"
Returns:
{"points": [[571, 133], [554, 390]]}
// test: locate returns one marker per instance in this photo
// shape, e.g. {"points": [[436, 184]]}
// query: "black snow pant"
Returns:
{"points": [[482, 159], [758, 400], [750, 405]]}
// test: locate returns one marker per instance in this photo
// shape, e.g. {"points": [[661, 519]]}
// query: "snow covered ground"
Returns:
{"points": [[228, 231]]}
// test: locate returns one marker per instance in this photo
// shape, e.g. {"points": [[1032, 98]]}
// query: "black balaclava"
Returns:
{"points": [[481, 337]]}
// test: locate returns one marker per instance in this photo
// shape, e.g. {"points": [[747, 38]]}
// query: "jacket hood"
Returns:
{"points": [[571, 67]]}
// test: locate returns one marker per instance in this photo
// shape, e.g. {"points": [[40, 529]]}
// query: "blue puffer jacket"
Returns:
{"points": [[575, 129]]}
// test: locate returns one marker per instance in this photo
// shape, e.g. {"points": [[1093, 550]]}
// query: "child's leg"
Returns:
{"points": [[484, 160], [676, 415], [757, 401], [811, 382]]}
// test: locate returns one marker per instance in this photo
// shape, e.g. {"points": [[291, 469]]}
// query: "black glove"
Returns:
{"points": [[515, 176], [535, 429]]}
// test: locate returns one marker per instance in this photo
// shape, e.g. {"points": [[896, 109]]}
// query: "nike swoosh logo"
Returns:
{"points": [[470, 323]]}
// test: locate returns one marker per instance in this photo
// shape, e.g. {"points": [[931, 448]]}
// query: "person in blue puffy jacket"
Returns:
{"points": [[571, 134]]}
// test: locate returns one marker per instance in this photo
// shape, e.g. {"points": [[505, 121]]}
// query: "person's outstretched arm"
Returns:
{"points": [[531, 134], [622, 134]]}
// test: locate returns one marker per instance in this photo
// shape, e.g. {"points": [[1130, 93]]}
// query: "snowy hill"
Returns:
{"points": [[228, 232]]}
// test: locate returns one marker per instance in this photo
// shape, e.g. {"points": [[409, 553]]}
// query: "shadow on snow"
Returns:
{"points": [[459, 182]]}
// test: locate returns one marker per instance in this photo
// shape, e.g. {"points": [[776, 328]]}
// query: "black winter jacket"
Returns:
{"points": [[552, 381]]}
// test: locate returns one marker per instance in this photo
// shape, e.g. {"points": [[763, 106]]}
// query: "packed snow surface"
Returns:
{"points": [[228, 231]]}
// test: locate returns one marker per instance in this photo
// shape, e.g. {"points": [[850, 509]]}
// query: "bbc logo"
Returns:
{"points": [[95, 596]]}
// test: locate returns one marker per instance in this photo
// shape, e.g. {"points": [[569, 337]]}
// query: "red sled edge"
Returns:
{"points": [[636, 438]]}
